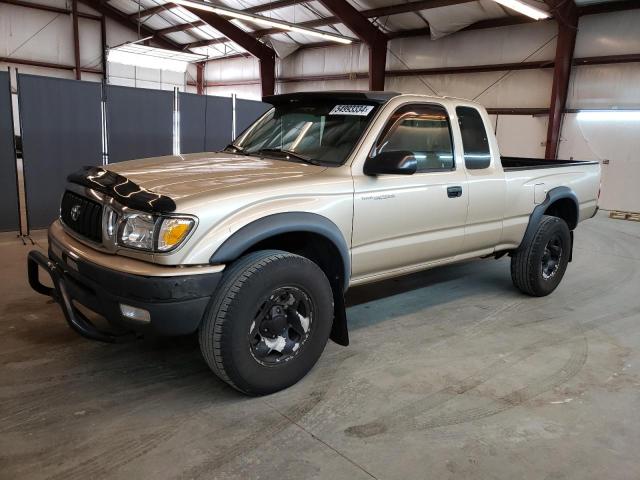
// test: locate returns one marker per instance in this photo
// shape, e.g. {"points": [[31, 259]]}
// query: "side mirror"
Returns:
{"points": [[391, 163]]}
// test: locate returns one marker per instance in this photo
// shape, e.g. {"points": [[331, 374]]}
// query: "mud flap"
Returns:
{"points": [[339, 330], [571, 246]]}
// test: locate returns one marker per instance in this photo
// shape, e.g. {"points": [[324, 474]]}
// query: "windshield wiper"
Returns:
{"points": [[289, 153], [235, 147]]}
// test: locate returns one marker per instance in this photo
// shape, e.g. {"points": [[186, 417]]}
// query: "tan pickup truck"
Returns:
{"points": [[254, 247]]}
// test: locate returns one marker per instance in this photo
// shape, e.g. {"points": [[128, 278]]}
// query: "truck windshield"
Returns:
{"points": [[316, 133]]}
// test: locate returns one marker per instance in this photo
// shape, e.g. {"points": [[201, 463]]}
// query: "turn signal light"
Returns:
{"points": [[172, 232]]}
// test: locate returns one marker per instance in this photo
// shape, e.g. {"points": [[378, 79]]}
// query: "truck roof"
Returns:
{"points": [[337, 95], [379, 97]]}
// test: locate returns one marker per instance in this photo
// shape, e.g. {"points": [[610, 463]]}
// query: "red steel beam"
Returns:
{"points": [[272, 6], [264, 54], [370, 13], [607, 59], [49, 8], [124, 20], [206, 43], [37, 63], [152, 11], [408, 7], [76, 38], [368, 33], [608, 7], [566, 14], [498, 67], [418, 32], [180, 28], [518, 111], [604, 60]]}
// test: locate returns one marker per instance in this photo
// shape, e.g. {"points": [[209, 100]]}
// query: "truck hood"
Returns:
{"points": [[188, 175]]}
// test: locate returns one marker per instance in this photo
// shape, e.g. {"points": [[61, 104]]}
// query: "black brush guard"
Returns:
{"points": [[75, 318]]}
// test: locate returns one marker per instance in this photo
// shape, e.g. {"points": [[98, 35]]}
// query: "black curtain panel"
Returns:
{"points": [[247, 112], [139, 123], [9, 213], [192, 122], [61, 131], [219, 118]]}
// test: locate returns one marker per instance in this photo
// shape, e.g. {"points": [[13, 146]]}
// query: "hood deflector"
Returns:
{"points": [[122, 189]]}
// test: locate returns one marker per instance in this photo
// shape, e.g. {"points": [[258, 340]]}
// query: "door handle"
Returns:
{"points": [[453, 192]]}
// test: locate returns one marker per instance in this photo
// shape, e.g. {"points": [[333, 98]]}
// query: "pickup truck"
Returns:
{"points": [[255, 246]]}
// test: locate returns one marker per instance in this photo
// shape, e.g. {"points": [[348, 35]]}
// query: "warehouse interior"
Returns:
{"points": [[450, 372]]}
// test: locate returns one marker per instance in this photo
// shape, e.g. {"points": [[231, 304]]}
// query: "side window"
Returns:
{"points": [[474, 138], [423, 130]]}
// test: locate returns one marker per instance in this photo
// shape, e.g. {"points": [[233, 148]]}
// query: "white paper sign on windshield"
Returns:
{"points": [[362, 110]]}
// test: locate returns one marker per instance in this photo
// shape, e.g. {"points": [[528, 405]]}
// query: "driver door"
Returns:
{"points": [[405, 221]]}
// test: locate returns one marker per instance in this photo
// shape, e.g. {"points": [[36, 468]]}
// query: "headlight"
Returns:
{"points": [[137, 231], [146, 232]]}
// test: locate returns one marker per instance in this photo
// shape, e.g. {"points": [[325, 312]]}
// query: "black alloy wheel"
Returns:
{"points": [[551, 257], [281, 326]]}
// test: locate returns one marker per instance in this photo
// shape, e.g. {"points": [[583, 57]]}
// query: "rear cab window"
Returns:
{"points": [[475, 141]]}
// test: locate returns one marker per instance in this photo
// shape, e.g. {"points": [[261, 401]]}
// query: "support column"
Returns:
{"points": [[566, 14], [103, 42], [368, 33], [200, 78], [76, 38], [268, 75], [377, 65]]}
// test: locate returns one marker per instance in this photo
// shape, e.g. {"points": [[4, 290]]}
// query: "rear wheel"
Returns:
{"points": [[538, 268], [268, 322]]}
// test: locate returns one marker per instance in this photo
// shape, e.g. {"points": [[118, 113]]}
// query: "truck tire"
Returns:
{"points": [[268, 322], [537, 268]]}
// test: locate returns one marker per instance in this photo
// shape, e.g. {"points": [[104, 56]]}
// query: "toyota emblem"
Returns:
{"points": [[75, 212]]}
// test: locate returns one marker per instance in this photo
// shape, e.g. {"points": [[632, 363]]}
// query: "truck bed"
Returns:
{"points": [[522, 163]]}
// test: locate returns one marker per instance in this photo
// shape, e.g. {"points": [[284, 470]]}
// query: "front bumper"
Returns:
{"points": [[176, 304]]}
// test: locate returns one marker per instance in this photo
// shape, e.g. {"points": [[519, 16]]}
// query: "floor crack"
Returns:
{"points": [[315, 437]]}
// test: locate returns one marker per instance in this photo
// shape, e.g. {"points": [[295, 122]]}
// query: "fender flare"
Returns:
{"points": [[280, 223], [553, 195]]}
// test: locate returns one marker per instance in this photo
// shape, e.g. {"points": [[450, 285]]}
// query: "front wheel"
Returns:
{"points": [[268, 322], [537, 268]]}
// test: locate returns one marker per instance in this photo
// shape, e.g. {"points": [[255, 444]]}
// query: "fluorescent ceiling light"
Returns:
{"points": [[524, 8], [138, 55], [263, 21], [609, 115]]}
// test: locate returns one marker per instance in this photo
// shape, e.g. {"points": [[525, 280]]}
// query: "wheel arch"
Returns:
{"points": [[560, 202], [303, 233]]}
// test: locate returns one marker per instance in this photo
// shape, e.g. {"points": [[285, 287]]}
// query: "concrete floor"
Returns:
{"points": [[451, 374]]}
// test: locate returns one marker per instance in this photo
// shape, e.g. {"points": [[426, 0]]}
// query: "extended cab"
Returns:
{"points": [[254, 247]]}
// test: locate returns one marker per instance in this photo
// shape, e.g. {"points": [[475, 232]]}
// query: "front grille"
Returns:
{"points": [[82, 215]]}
